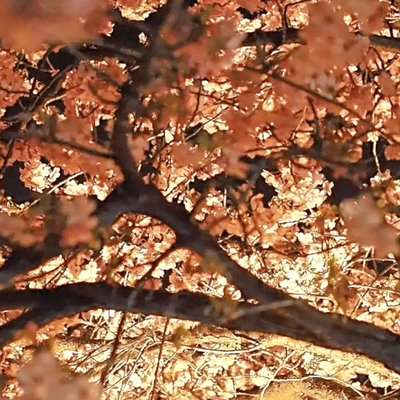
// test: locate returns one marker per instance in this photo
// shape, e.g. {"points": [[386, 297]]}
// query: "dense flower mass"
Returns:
{"points": [[199, 199]]}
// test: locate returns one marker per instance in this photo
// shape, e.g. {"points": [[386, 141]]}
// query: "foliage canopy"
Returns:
{"points": [[200, 199]]}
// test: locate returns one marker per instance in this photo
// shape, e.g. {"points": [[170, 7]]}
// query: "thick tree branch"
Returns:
{"points": [[292, 319]]}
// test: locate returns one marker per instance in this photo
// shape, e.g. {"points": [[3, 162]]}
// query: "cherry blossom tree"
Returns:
{"points": [[199, 199]]}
